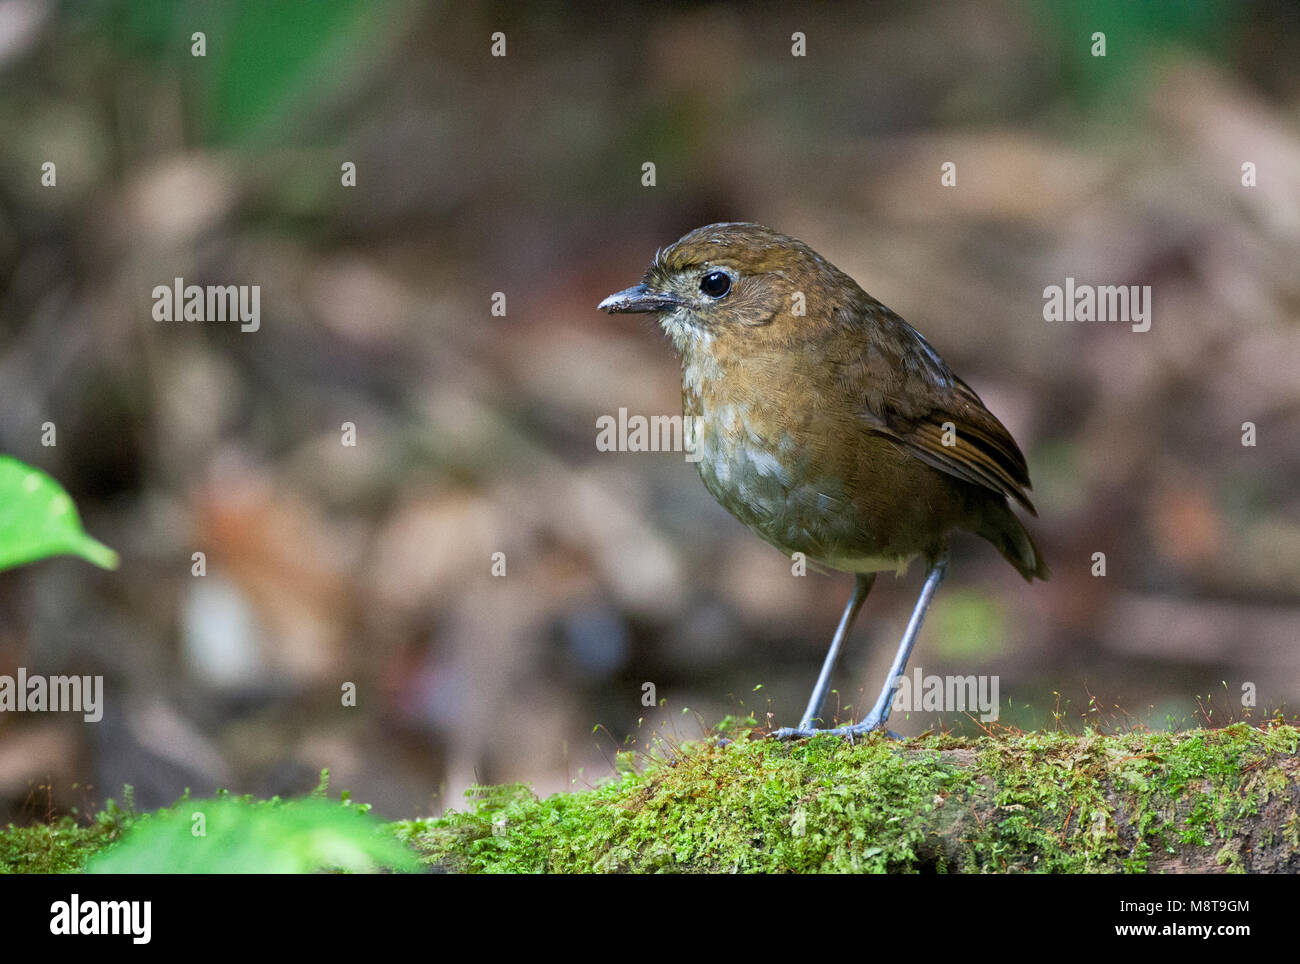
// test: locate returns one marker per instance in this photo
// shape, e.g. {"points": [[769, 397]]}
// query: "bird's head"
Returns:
{"points": [[736, 284]]}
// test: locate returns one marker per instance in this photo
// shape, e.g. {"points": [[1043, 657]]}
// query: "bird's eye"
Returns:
{"points": [[715, 284]]}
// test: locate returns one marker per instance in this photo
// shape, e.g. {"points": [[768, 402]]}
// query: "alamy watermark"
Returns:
{"points": [[947, 694], [181, 302], [654, 433], [74, 916], [53, 694], [1129, 304]]}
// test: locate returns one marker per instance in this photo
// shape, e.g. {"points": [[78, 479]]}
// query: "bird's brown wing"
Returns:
{"points": [[913, 394]]}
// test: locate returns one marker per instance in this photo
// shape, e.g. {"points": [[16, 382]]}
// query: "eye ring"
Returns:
{"points": [[716, 284]]}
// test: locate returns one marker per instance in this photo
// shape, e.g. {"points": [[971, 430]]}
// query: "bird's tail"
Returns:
{"points": [[1001, 527]]}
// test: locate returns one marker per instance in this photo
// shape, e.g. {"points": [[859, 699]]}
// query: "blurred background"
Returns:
{"points": [[475, 434]]}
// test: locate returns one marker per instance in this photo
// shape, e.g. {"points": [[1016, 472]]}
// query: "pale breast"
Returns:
{"points": [[765, 480], [741, 466]]}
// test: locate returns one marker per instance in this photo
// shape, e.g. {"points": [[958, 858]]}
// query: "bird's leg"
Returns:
{"points": [[861, 586], [880, 712]]}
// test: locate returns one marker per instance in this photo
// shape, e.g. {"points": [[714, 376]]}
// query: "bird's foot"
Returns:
{"points": [[803, 731], [794, 733]]}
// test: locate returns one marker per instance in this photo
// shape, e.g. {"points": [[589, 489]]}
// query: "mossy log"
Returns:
{"points": [[1149, 802]]}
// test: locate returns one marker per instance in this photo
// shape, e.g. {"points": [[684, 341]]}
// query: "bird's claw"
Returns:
{"points": [[793, 733], [848, 732]]}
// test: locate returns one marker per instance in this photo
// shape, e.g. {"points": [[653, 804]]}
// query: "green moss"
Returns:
{"points": [[1172, 788], [244, 833], [822, 804], [738, 802], [1015, 801], [61, 847]]}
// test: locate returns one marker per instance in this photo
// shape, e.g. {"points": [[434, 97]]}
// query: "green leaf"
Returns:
{"points": [[268, 64], [238, 837], [38, 519]]}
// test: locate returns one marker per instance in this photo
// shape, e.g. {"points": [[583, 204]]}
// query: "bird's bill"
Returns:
{"points": [[638, 298]]}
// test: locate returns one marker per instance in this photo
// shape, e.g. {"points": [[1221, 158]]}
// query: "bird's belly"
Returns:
{"points": [[747, 477], [779, 492], [896, 564]]}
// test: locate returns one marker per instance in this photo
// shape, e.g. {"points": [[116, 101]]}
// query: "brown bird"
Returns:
{"points": [[828, 425]]}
